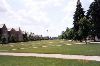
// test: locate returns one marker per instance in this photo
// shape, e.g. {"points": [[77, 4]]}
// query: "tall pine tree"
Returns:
{"points": [[79, 13], [94, 14]]}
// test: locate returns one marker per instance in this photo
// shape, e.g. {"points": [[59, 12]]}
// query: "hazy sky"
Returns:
{"points": [[39, 15]]}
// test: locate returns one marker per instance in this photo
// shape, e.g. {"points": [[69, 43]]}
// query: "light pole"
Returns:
{"points": [[47, 34]]}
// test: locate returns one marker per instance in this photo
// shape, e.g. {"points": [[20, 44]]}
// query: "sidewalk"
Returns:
{"points": [[81, 57]]}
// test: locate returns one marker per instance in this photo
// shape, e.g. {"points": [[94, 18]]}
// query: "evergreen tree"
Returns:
{"points": [[79, 13], [84, 28], [94, 14]]}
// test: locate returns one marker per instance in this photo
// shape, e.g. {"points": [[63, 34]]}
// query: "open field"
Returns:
{"points": [[33, 61], [52, 47]]}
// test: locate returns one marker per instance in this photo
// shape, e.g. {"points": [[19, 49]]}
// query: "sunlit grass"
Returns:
{"points": [[52, 46], [34, 61]]}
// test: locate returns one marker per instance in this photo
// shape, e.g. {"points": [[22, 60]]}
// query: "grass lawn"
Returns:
{"points": [[33, 61], [52, 46]]}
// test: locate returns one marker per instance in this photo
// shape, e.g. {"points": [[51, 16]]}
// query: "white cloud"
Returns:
{"points": [[69, 10], [32, 14], [36, 15]]}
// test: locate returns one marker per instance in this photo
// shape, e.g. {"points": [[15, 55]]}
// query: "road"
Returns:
{"points": [[61, 56]]}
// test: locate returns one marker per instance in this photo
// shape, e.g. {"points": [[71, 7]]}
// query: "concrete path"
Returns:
{"points": [[95, 42], [81, 57]]}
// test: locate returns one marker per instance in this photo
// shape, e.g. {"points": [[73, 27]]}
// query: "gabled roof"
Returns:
{"points": [[11, 29], [16, 29], [1, 25]]}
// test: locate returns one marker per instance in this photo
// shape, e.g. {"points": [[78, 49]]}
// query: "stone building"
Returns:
{"points": [[15, 35], [3, 33]]}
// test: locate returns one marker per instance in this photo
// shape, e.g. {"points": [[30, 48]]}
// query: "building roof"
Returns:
{"points": [[16, 29]]}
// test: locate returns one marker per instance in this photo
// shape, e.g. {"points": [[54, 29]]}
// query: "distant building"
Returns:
{"points": [[15, 35], [3, 34], [12, 35], [19, 34]]}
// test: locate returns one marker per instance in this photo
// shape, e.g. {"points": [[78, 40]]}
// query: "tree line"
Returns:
{"points": [[86, 23]]}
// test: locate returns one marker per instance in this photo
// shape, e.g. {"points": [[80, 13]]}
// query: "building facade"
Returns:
{"points": [[3, 33]]}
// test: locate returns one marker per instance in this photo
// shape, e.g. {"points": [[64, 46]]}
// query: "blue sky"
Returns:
{"points": [[39, 15]]}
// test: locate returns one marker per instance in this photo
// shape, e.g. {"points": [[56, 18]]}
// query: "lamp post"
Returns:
{"points": [[47, 34]]}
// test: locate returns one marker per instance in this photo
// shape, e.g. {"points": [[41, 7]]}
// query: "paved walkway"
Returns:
{"points": [[95, 42], [82, 57]]}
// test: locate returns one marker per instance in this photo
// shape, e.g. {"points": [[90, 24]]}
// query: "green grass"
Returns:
{"points": [[52, 47], [33, 61]]}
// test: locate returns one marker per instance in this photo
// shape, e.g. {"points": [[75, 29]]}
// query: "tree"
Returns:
{"points": [[25, 38], [79, 13], [68, 34], [63, 35], [84, 28], [94, 14]]}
